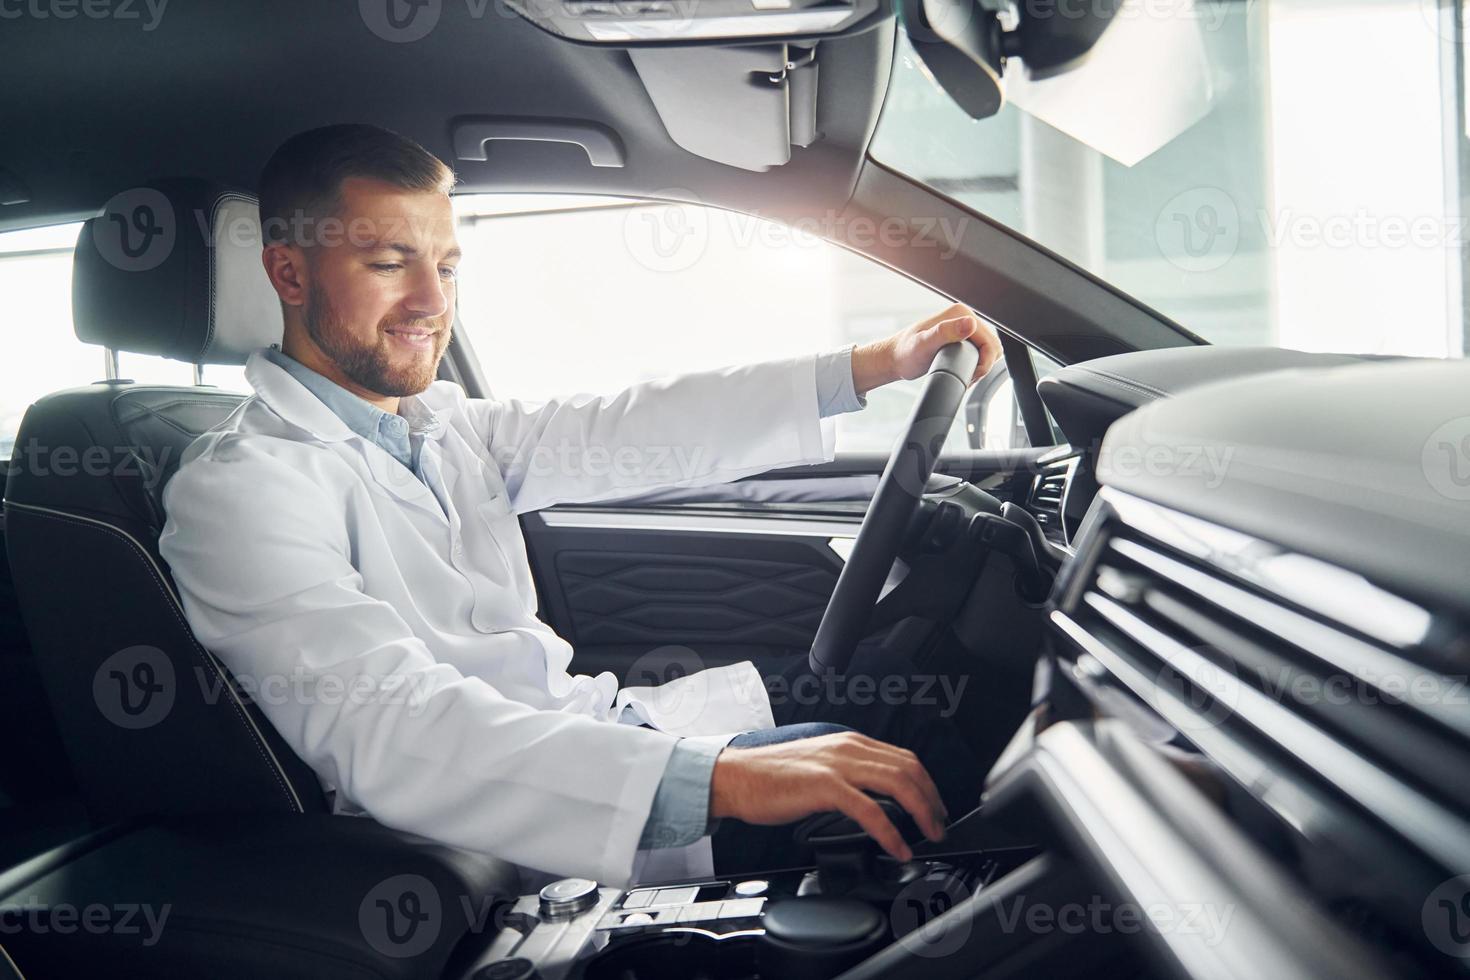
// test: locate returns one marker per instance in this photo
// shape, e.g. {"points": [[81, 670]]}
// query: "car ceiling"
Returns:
{"points": [[96, 106]]}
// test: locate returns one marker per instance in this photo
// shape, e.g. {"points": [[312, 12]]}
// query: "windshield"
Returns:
{"points": [[1282, 172]]}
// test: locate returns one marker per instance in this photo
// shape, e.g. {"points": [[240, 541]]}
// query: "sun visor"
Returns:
{"points": [[744, 107]]}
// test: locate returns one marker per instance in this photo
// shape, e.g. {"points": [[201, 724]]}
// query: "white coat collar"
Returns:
{"points": [[292, 401], [297, 406]]}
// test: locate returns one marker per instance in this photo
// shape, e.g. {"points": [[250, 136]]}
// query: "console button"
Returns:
{"points": [[700, 912], [742, 908], [676, 896], [752, 889], [518, 968], [639, 900], [568, 898]]}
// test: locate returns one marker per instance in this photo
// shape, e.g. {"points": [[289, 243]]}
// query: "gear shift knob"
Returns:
{"points": [[847, 859]]}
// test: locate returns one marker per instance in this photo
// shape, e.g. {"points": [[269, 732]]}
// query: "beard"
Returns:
{"points": [[370, 365]]}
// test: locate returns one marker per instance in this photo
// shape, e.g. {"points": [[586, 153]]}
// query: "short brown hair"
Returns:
{"points": [[304, 176]]}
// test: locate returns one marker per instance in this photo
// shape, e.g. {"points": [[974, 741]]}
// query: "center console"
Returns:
{"points": [[249, 895], [807, 923]]}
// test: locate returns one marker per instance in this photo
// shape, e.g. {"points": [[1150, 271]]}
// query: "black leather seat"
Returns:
{"points": [[151, 721]]}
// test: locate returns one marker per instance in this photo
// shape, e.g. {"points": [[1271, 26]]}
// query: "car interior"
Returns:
{"points": [[1150, 588]]}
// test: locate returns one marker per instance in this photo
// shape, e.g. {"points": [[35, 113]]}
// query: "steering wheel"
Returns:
{"points": [[892, 508]]}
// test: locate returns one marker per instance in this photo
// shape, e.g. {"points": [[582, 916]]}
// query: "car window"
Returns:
{"points": [[637, 291], [563, 295], [42, 353], [1287, 173]]}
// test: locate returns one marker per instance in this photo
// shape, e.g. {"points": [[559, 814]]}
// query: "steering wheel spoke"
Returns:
{"points": [[894, 503]]}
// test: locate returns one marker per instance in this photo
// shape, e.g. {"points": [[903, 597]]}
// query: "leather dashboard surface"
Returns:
{"points": [[1366, 466]]}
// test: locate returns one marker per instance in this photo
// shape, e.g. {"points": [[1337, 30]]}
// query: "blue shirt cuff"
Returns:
{"points": [[680, 811], [835, 391]]}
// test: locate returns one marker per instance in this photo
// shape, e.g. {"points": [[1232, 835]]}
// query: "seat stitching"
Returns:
{"points": [[210, 254], [158, 414], [214, 402], [1142, 386], [1128, 385], [1134, 381], [213, 253], [207, 658]]}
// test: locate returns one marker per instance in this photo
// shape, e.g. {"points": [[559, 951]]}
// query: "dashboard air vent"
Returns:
{"points": [[1048, 491]]}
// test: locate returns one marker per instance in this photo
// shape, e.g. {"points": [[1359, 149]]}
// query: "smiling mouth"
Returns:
{"points": [[416, 338]]}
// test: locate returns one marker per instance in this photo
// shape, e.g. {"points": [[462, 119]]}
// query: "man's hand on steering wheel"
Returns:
{"points": [[907, 354]]}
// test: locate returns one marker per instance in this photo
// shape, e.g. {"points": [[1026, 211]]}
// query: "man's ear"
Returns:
{"points": [[285, 266]]}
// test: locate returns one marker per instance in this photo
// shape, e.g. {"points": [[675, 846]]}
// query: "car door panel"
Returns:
{"points": [[714, 575]]}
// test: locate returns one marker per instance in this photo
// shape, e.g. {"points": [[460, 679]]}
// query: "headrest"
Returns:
{"points": [[173, 268]]}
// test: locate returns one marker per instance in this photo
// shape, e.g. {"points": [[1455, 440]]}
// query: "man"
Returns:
{"points": [[347, 543]]}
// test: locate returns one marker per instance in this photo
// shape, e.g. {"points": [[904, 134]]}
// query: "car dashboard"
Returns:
{"points": [[1266, 591]]}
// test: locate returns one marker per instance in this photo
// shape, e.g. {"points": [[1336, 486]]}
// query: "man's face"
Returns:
{"points": [[380, 293]]}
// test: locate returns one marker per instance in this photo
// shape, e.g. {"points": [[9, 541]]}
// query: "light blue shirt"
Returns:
{"points": [[680, 811], [400, 436]]}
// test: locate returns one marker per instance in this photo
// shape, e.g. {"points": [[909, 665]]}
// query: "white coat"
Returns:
{"points": [[396, 648]]}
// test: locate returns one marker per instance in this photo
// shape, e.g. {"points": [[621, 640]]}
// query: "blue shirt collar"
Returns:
{"points": [[389, 432]]}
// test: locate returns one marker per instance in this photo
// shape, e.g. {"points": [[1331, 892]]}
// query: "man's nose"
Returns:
{"points": [[429, 294]]}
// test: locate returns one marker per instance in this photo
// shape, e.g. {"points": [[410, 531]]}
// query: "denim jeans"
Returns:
{"points": [[786, 733]]}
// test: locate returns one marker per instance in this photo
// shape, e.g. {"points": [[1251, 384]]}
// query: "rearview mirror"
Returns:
{"points": [[965, 43]]}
